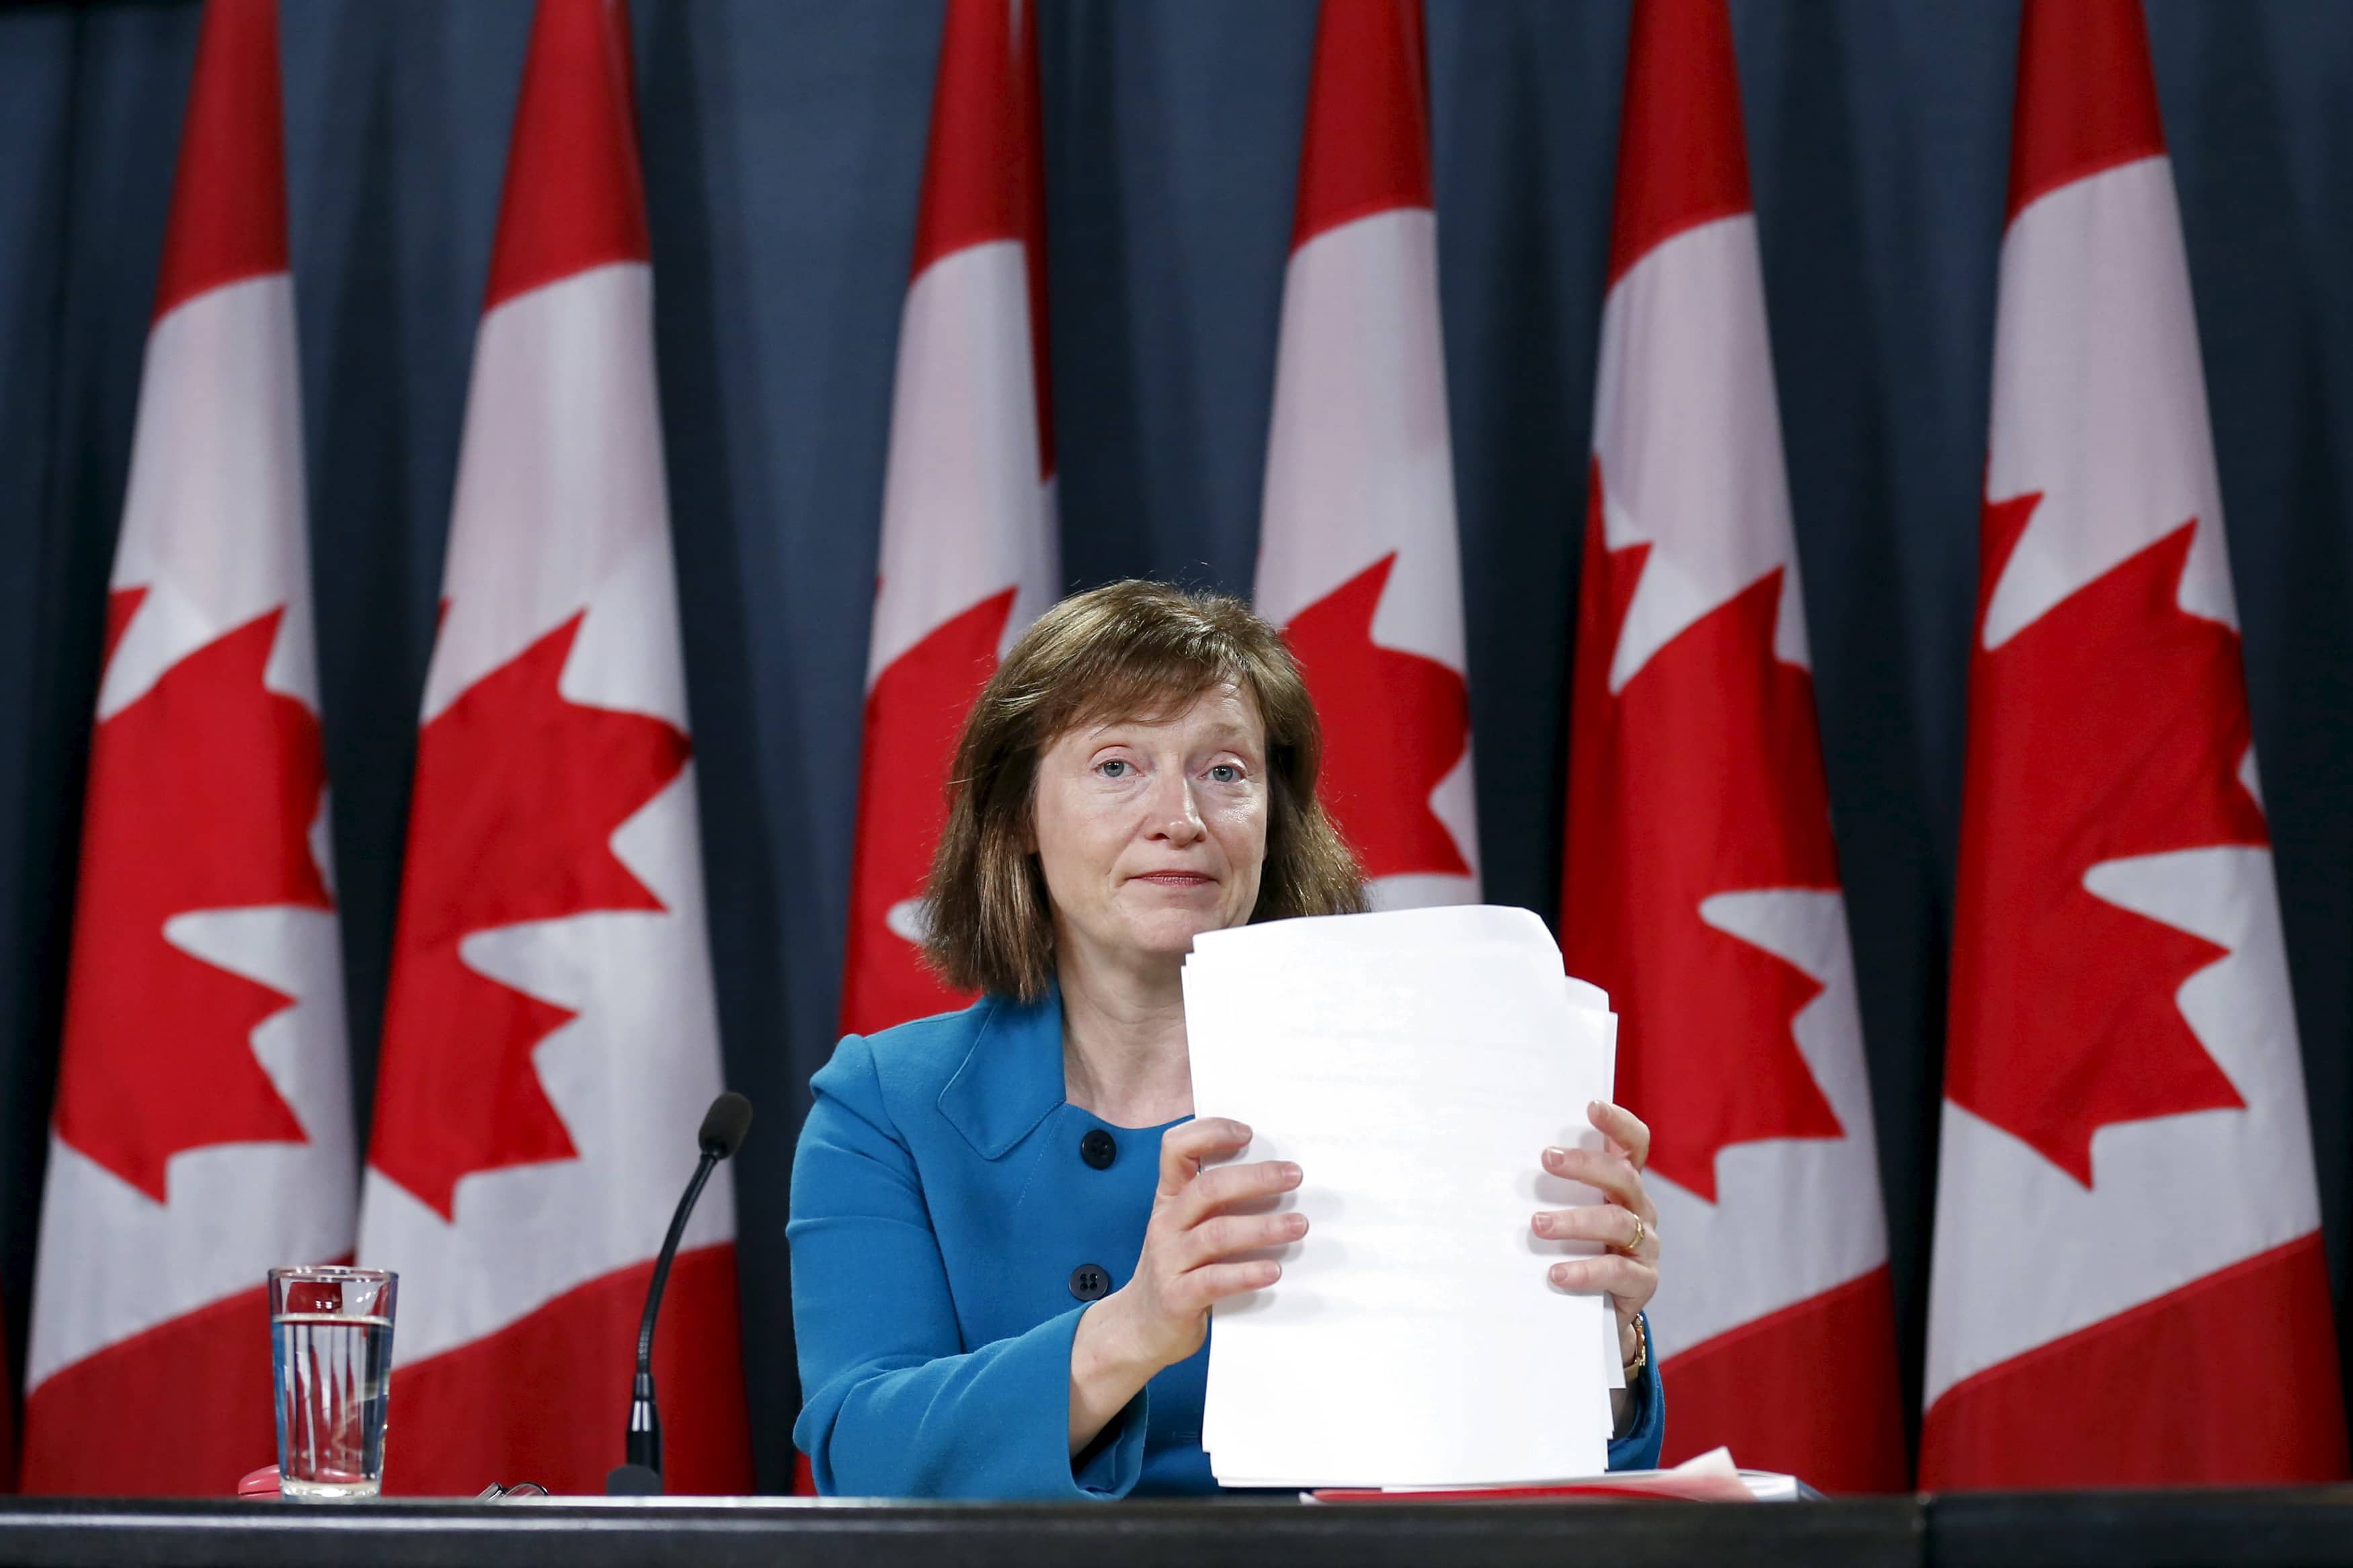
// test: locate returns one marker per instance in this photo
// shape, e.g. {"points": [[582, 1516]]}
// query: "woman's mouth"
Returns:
{"points": [[1176, 878]]}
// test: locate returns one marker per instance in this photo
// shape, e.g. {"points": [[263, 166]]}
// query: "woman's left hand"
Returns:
{"points": [[1627, 1223]]}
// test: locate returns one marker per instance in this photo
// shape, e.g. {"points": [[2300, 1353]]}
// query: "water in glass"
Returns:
{"points": [[331, 1343]]}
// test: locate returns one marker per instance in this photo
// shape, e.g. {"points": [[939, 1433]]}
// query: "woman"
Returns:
{"points": [[1005, 1239]]}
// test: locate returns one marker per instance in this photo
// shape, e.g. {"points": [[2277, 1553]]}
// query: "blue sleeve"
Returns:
{"points": [[895, 1405], [1639, 1450]]}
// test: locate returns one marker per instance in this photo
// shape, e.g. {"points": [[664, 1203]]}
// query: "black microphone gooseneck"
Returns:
{"points": [[723, 1126]]}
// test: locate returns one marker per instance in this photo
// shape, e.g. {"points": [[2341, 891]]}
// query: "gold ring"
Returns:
{"points": [[1640, 1230]]}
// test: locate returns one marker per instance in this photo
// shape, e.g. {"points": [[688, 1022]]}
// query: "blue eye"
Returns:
{"points": [[1227, 773], [1114, 768]]}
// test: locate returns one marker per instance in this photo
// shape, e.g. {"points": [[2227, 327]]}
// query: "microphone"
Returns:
{"points": [[723, 1126]]}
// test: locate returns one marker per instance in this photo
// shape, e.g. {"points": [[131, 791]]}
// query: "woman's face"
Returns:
{"points": [[1151, 831]]}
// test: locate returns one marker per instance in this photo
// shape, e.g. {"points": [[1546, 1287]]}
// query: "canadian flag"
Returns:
{"points": [[2127, 1286], [1701, 887], [550, 1040], [1357, 558], [968, 555], [202, 1127]]}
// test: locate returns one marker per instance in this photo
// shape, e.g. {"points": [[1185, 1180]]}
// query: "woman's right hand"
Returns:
{"points": [[1162, 1314], [1164, 1307]]}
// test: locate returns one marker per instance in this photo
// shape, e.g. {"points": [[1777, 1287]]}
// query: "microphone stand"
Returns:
{"points": [[641, 1474]]}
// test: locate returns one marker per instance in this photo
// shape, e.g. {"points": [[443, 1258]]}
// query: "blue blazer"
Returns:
{"points": [[944, 1225]]}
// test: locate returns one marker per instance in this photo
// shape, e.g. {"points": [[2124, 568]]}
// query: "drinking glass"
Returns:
{"points": [[331, 1352]]}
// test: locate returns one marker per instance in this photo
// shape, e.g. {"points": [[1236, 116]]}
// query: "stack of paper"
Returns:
{"points": [[1414, 1065], [1708, 1478]]}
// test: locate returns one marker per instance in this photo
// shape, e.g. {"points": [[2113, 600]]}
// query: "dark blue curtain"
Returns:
{"points": [[784, 145]]}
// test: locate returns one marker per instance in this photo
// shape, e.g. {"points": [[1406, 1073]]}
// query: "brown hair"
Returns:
{"points": [[1129, 649]]}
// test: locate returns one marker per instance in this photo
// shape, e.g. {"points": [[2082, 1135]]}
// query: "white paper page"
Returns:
{"points": [[1418, 1327], [1716, 1464], [1487, 931], [1456, 925], [1414, 1339], [1526, 932], [1591, 997], [1564, 1195]]}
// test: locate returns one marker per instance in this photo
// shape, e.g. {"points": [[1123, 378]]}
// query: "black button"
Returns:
{"points": [[1090, 1283], [1099, 1149]]}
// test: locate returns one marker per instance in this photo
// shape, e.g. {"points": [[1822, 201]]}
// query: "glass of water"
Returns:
{"points": [[331, 1353]]}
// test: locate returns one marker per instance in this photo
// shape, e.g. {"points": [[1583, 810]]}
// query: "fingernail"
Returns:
{"points": [[1296, 1224], [1556, 1155], [1289, 1172], [1561, 1274], [1543, 1223], [1596, 1108]]}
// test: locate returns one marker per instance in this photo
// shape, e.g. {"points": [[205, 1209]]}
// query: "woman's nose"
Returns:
{"points": [[1174, 809]]}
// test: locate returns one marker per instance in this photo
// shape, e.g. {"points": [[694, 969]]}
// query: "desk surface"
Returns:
{"points": [[2145, 1530], [2015, 1531], [1876, 1533]]}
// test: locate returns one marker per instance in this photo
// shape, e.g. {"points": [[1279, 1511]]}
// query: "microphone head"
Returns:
{"points": [[724, 1124]]}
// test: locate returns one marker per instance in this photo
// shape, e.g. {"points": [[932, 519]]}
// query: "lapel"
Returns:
{"points": [[1011, 1079]]}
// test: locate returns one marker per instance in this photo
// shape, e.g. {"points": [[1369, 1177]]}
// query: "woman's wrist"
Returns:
{"points": [[1634, 1353], [1107, 1368], [1110, 1348], [1634, 1347]]}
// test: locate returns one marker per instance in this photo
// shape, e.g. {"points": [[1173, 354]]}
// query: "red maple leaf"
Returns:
{"points": [[2113, 725], [1702, 775], [519, 792], [913, 716], [1395, 724], [202, 793]]}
